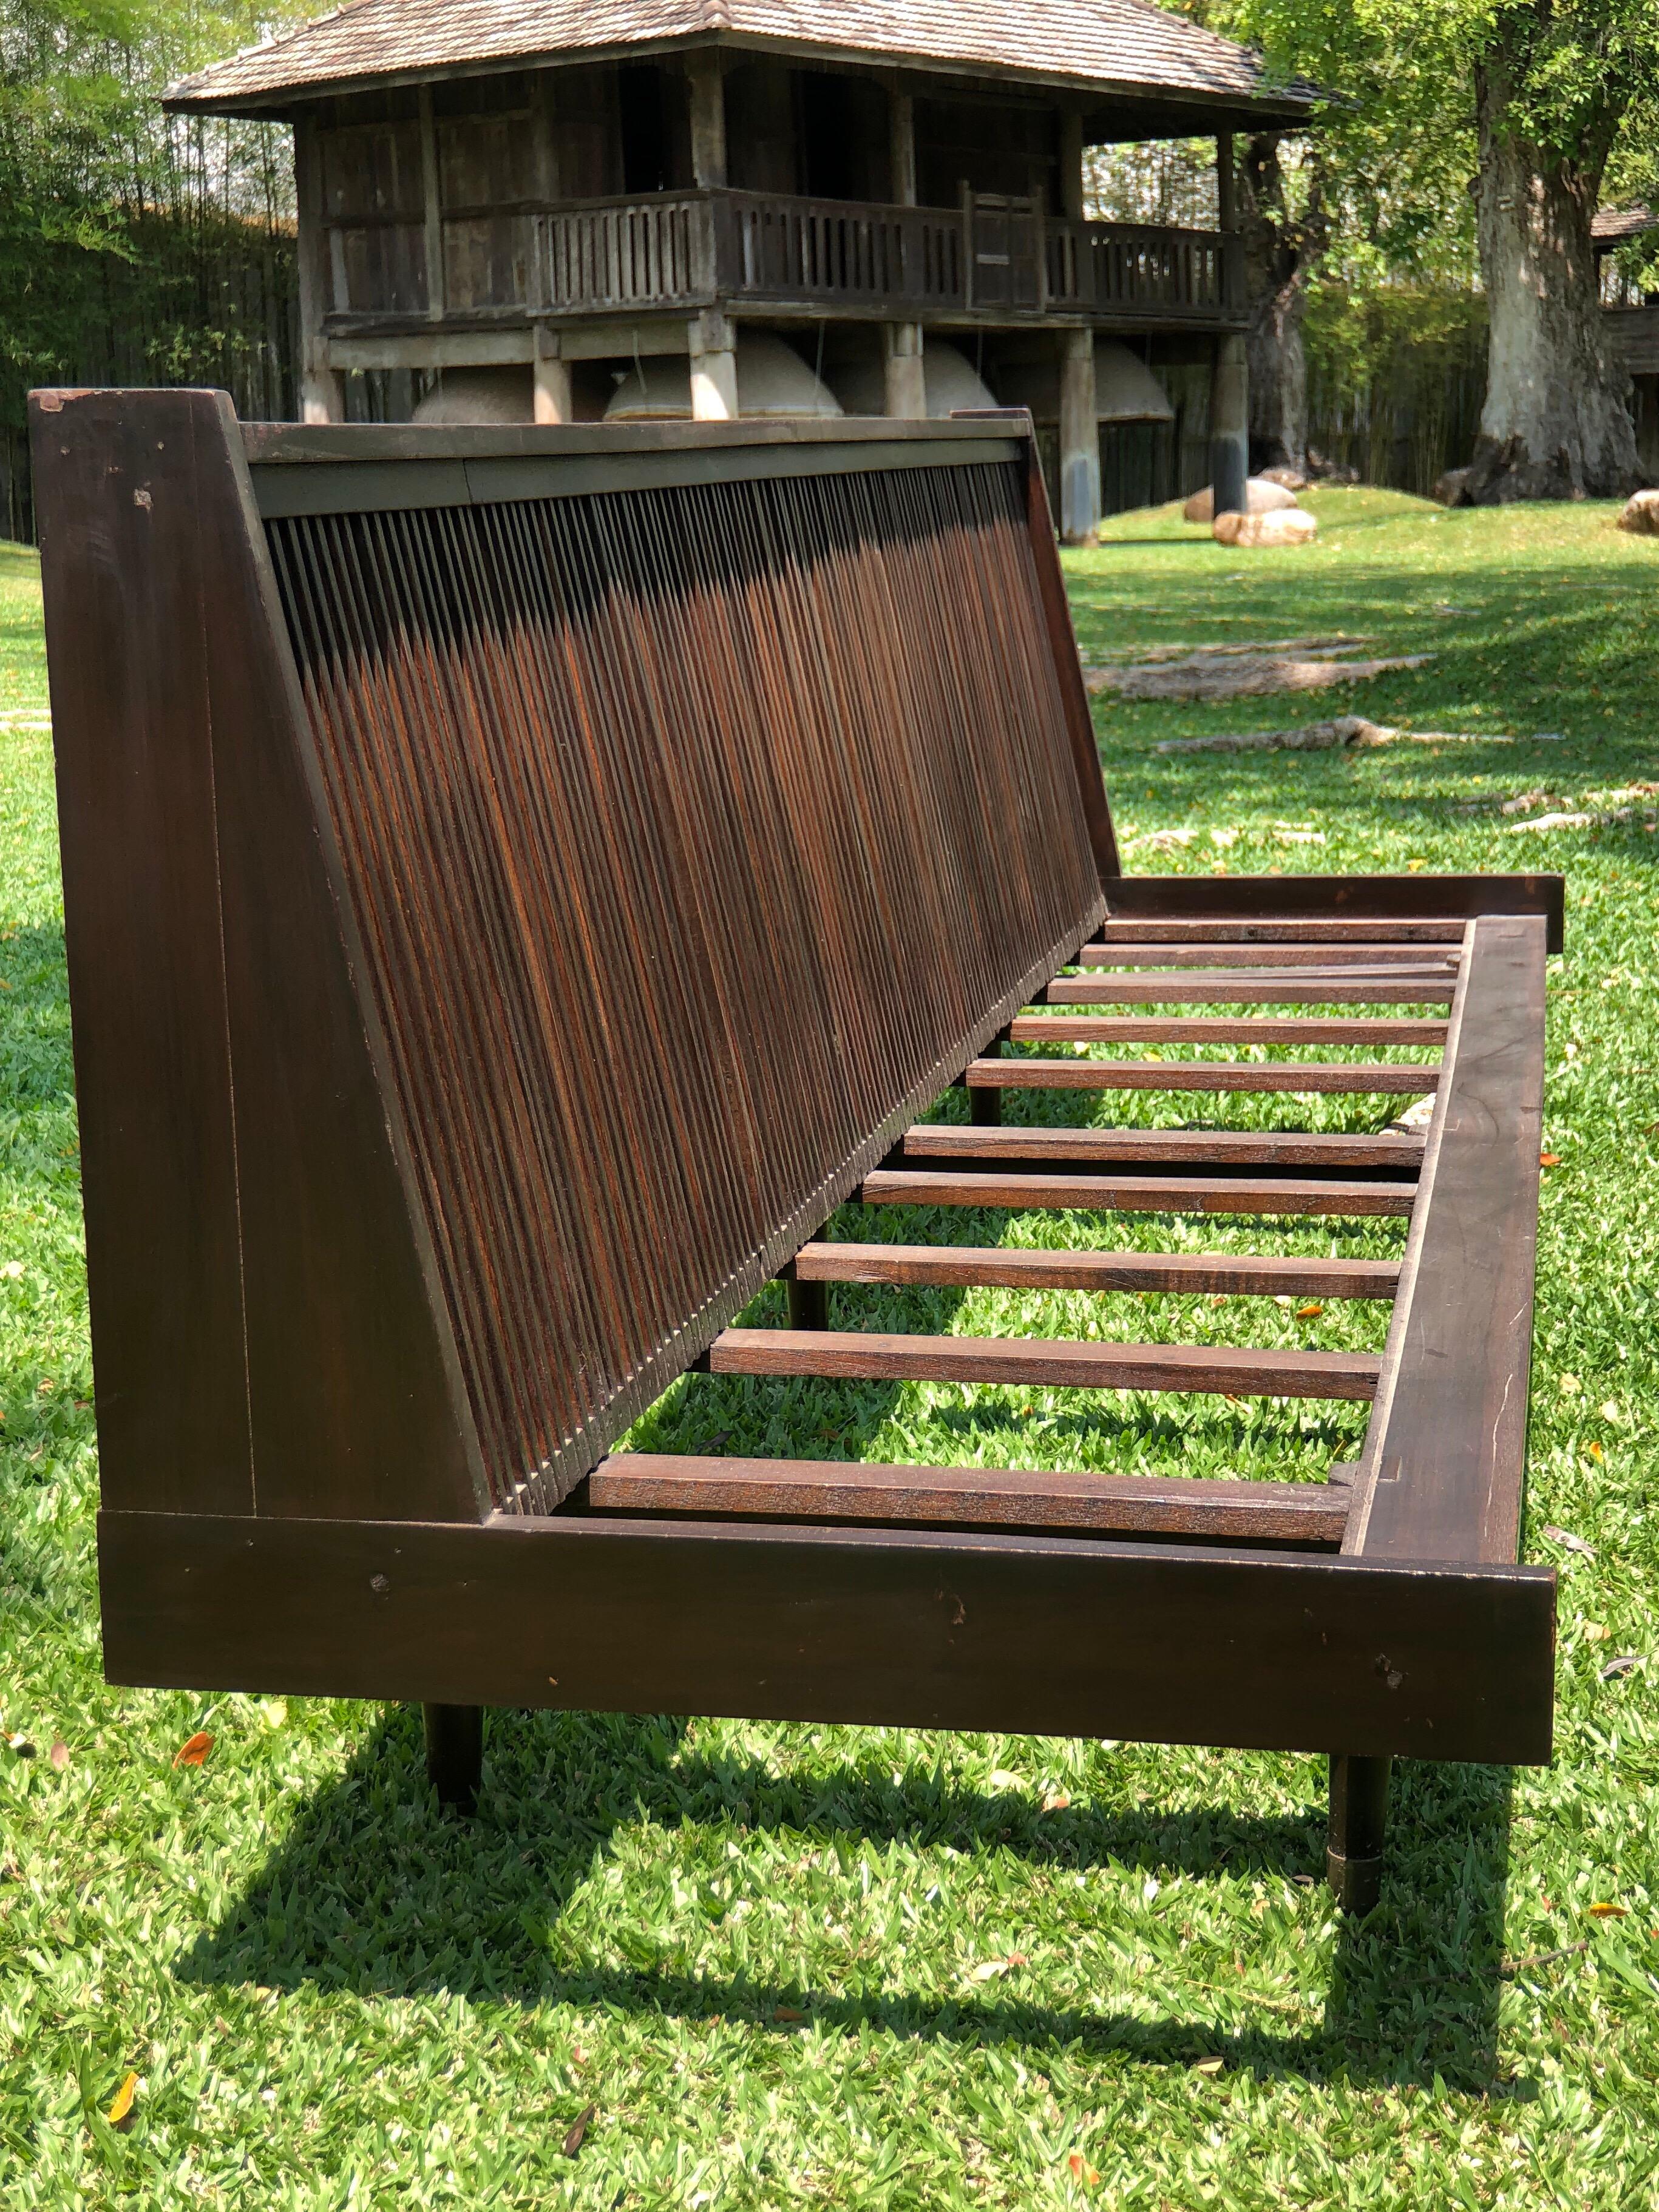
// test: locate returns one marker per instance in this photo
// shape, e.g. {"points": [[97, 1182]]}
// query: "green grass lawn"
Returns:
{"points": [[840, 1967]]}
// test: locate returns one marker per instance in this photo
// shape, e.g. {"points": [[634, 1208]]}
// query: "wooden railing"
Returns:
{"points": [[687, 249]]}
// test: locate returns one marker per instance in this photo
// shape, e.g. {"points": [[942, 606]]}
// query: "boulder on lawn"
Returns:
{"points": [[1263, 496], [1452, 490], [1641, 514], [1288, 479], [1287, 525]]}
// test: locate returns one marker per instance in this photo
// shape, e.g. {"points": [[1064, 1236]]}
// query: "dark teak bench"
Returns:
{"points": [[520, 884]]}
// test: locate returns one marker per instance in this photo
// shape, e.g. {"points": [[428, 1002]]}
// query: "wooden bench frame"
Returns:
{"points": [[1379, 1615]]}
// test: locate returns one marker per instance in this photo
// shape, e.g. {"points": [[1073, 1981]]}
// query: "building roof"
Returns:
{"points": [[1125, 48], [1612, 226]]}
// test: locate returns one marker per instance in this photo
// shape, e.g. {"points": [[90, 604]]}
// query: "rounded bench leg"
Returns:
{"points": [[455, 1752], [1359, 1814]]}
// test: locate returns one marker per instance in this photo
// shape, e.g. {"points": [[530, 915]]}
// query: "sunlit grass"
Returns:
{"points": [[850, 1966]]}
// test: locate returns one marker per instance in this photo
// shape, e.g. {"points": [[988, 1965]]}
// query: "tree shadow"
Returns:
{"points": [[376, 1891]]}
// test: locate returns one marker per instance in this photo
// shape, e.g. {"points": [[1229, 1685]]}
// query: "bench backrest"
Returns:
{"points": [[517, 882]]}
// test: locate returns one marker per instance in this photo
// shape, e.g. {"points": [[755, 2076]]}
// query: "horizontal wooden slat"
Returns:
{"points": [[1033, 1075], [1283, 931], [1333, 1150], [1332, 958], [1334, 897], [1213, 987], [971, 1496], [900, 1627], [1110, 1194], [1184, 1274], [1221, 1029], [1044, 1363]]}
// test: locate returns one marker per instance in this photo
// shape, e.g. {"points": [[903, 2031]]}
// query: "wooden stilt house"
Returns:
{"points": [[558, 198]]}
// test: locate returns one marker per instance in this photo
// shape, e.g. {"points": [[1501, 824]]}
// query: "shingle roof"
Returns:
{"points": [[1611, 224], [1117, 44]]}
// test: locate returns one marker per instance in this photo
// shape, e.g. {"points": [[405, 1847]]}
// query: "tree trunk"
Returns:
{"points": [[1556, 423], [1280, 250]]}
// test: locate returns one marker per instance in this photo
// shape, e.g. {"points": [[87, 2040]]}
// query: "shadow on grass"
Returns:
{"points": [[377, 1891]]}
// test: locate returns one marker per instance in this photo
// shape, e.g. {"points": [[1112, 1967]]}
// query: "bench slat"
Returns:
{"points": [[997, 1267], [1105, 1193], [1356, 1076], [1014, 1497], [1280, 931], [1216, 987], [1048, 1363], [1335, 1149], [1220, 1028], [1362, 959]]}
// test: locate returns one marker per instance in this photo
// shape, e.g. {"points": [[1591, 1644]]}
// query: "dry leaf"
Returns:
{"points": [[21, 1744], [1623, 1664], [120, 2110], [1081, 2171], [1002, 1779], [59, 1756], [1568, 1542], [1549, 1159], [988, 1969], [1056, 1801], [1309, 1312], [1608, 1912], [1570, 1385], [1596, 1631], [1594, 1450], [1208, 2065], [193, 1751], [786, 2012], [578, 2129], [1610, 1409]]}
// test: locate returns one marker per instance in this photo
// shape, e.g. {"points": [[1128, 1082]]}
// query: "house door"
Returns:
{"points": [[1004, 249]]}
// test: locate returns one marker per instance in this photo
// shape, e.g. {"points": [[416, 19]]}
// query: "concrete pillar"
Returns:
{"points": [[1080, 442], [714, 367], [552, 378], [706, 76], [1071, 164], [322, 389], [902, 345], [1230, 423]]}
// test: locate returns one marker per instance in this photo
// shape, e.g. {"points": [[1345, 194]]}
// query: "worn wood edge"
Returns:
{"points": [[291, 444], [1000, 1267], [1003, 1142], [1016, 1497], [1335, 960], [1224, 1029], [891, 1626], [1212, 988], [1061, 1363]]}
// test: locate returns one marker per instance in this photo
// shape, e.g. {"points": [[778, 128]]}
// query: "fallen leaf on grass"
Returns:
{"points": [[120, 2112], [1549, 1159], [1616, 1669], [1594, 1450], [1056, 1801], [21, 1744], [1310, 1312], [59, 1756], [1568, 1542], [1080, 2170], [1569, 1386], [1608, 1912], [786, 2012], [989, 1969], [1596, 1631], [1000, 1779], [194, 1750], [577, 2129], [1208, 2065]]}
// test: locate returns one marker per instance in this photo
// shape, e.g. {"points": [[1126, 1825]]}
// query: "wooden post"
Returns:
{"points": [[1359, 1814], [808, 1302], [706, 77], [902, 345], [714, 367], [901, 149], [552, 372], [1071, 164], [434, 206], [455, 1752], [1080, 442], [1230, 378], [322, 390]]}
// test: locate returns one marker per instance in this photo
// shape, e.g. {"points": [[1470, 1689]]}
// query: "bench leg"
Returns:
{"points": [[1359, 1814], [808, 1303], [455, 1752], [985, 1107]]}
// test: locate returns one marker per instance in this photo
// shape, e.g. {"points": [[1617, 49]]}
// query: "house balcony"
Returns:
{"points": [[988, 261]]}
